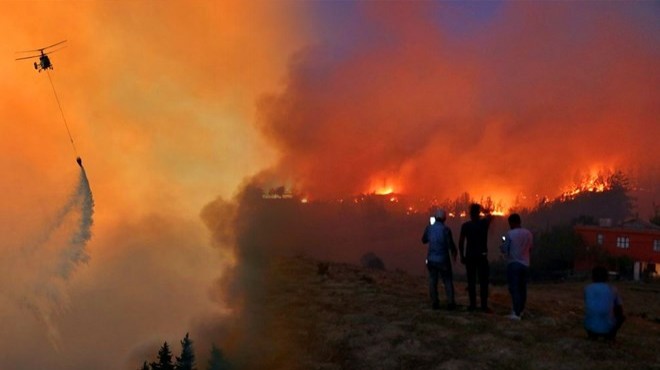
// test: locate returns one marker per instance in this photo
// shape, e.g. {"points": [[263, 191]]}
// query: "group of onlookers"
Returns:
{"points": [[603, 309]]}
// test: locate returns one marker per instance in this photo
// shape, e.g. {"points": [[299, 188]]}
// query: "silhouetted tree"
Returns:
{"points": [[217, 360], [145, 366], [187, 359], [555, 250], [164, 359], [656, 215]]}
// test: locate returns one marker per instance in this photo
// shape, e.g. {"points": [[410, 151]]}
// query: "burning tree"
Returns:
{"points": [[599, 197]]}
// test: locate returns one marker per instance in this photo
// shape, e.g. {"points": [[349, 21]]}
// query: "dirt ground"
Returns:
{"points": [[354, 318]]}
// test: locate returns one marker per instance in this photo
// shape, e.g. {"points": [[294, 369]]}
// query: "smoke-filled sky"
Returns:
{"points": [[172, 104], [160, 98], [491, 98]]}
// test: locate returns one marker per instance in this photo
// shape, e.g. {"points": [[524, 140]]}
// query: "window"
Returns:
{"points": [[600, 238], [623, 242], [656, 245]]}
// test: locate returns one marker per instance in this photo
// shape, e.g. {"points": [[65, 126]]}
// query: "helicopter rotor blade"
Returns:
{"points": [[55, 44], [42, 49], [51, 52], [34, 56]]}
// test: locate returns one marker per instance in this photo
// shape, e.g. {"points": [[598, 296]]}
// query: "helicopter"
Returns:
{"points": [[44, 62]]}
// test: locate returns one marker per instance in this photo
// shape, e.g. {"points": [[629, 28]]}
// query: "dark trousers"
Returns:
{"points": [[436, 271], [477, 266], [611, 336], [516, 274]]}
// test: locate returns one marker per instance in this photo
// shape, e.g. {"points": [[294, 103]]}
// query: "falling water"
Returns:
{"points": [[56, 253]]}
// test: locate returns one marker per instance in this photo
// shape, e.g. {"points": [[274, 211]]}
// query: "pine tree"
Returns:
{"points": [[164, 359], [145, 366], [187, 359], [217, 360]]}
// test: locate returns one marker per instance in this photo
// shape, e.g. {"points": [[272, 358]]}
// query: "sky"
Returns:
{"points": [[501, 98], [174, 104], [160, 100]]}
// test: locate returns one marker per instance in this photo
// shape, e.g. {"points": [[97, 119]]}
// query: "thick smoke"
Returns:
{"points": [[521, 102], [519, 106], [159, 98]]}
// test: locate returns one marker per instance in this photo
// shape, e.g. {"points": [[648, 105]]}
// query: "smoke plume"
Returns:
{"points": [[519, 103], [402, 99]]}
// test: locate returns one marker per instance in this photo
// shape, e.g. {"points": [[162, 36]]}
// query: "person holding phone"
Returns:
{"points": [[516, 248], [438, 263], [472, 244]]}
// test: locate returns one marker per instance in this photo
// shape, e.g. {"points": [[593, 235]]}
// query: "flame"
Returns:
{"points": [[596, 181], [384, 191], [383, 187]]}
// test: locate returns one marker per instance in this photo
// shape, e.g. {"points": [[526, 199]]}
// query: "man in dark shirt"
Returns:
{"points": [[475, 255]]}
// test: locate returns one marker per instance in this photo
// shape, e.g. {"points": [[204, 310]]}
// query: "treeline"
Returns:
{"points": [[186, 360]]}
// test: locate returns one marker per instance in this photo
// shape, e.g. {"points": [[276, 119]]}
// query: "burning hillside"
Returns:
{"points": [[416, 114]]}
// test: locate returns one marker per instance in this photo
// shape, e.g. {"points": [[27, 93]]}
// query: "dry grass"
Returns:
{"points": [[361, 319]]}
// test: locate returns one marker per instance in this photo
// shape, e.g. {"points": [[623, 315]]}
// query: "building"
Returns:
{"points": [[637, 239]]}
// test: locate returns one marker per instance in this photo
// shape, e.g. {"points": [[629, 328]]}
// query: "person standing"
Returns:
{"points": [[440, 244], [603, 310], [474, 256], [516, 248]]}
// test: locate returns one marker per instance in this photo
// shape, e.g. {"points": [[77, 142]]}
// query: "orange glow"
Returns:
{"points": [[385, 187], [149, 99], [595, 181], [384, 191]]}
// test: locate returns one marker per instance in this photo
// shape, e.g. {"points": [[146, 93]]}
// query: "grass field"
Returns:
{"points": [[354, 318]]}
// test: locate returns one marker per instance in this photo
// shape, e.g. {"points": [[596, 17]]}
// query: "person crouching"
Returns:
{"points": [[603, 311]]}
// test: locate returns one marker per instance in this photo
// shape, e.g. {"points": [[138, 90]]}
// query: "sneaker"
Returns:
{"points": [[513, 316]]}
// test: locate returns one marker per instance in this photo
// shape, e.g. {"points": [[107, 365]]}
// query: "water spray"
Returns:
{"points": [[62, 245]]}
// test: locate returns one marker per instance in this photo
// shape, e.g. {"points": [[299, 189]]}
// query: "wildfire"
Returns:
{"points": [[383, 187], [594, 182], [384, 191]]}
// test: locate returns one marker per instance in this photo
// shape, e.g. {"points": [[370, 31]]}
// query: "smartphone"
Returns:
{"points": [[432, 220]]}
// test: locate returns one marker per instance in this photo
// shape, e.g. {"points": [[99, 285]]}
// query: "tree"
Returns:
{"points": [[145, 366], [164, 359], [554, 251], [218, 360], [656, 214], [187, 359]]}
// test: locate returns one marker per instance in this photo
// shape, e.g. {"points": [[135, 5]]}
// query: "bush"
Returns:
{"points": [[372, 261]]}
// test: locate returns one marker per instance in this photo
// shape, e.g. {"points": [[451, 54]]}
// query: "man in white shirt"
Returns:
{"points": [[516, 248]]}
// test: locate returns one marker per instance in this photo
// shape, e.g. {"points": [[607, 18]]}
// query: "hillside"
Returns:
{"points": [[355, 318]]}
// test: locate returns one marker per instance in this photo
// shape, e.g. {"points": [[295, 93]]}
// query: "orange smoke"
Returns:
{"points": [[159, 97], [511, 112]]}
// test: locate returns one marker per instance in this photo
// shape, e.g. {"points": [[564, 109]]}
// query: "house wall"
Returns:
{"points": [[640, 242]]}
